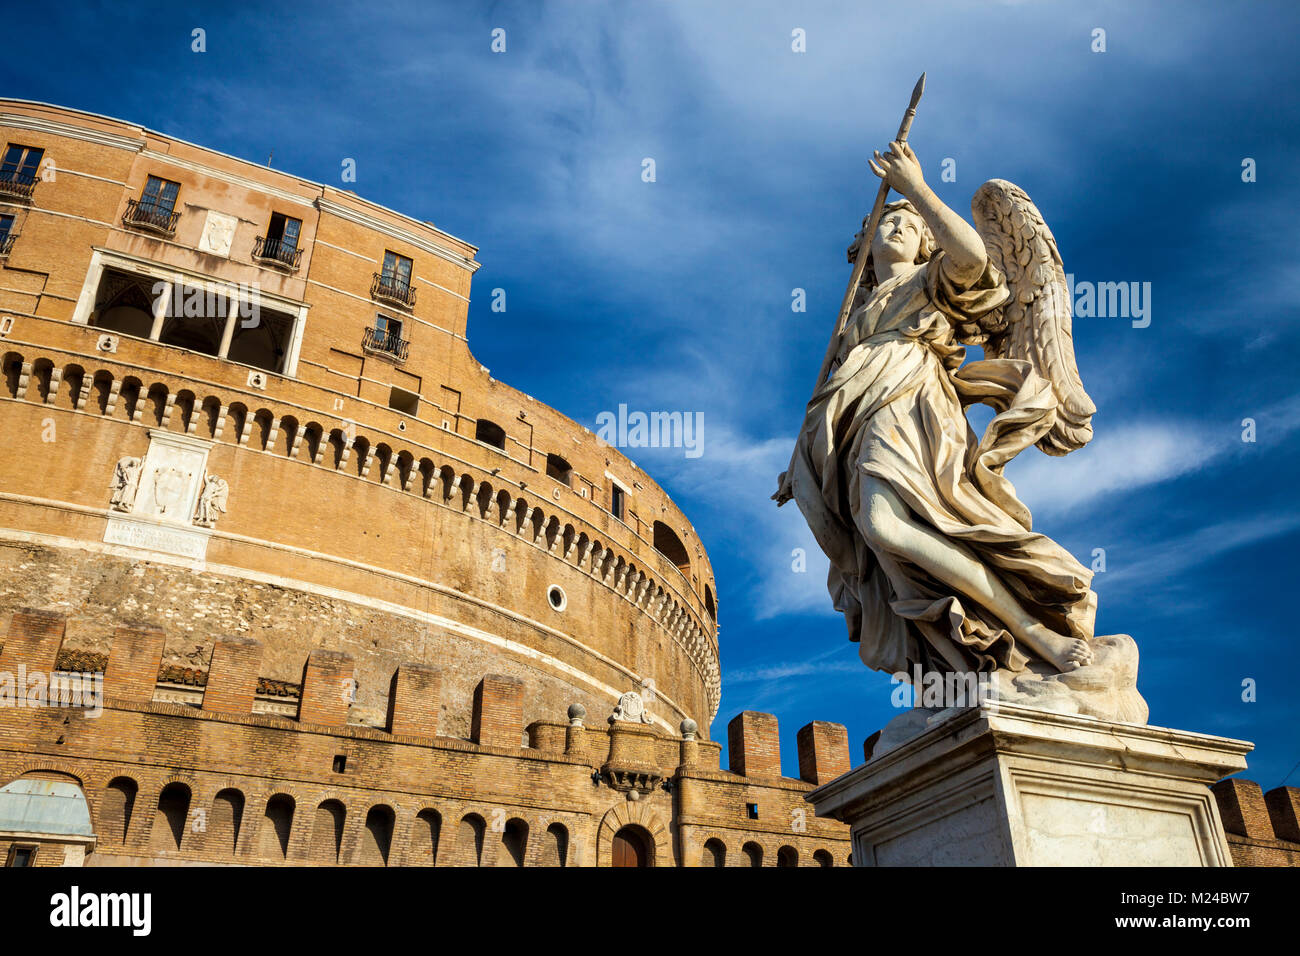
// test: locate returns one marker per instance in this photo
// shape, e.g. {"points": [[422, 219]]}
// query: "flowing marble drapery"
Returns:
{"points": [[893, 408]]}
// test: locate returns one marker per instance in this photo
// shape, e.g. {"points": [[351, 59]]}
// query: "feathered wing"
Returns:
{"points": [[1034, 324]]}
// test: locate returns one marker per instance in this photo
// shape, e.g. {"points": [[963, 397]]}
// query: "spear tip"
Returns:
{"points": [[916, 93]]}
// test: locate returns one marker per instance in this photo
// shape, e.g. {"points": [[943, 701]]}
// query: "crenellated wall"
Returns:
{"points": [[228, 768], [1263, 828]]}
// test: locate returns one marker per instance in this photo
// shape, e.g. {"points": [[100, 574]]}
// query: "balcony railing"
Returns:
{"points": [[386, 341], [147, 215], [17, 185], [277, 252], [393, 289]]}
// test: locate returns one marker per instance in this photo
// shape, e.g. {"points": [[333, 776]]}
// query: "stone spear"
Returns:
{"points": [[864, 247]]}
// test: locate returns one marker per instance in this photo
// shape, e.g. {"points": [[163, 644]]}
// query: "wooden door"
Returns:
{"points": [[629, 849]]}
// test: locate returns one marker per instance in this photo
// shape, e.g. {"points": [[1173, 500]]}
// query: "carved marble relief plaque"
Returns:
{"points": [[218, 233], [159, 516]]}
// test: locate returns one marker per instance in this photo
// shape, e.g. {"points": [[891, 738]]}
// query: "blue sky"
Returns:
{"points": [[676, 294]]}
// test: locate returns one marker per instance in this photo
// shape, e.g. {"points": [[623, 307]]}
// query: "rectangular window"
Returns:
{"points": [[397, 267], [283, 231], [160, 195], [20, 163], [6, 227], [386, 336], [617, 502], [399, 399], [751, 811], [21, 856]]}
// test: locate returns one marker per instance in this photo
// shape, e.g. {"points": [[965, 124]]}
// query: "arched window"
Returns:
{"points": [[631, 847], [753, 854], [670, 546], [515, 839], [708, 603], [823, 858], [169, 822], [787, 856], [378, 836], [559, 469], [224, 823], [123, 303], [469, 839], [715, 853], [428, 828], [327, 832], [277, 826], [490, 433]]}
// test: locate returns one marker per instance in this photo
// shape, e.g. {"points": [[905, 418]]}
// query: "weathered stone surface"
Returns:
{"points": [[1002, 785]]}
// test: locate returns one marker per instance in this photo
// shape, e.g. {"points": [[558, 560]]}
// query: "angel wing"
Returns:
{"points": [[1034, 323]]}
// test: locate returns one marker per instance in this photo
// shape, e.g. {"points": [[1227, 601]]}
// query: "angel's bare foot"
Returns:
{"points": [[1063, 653]]}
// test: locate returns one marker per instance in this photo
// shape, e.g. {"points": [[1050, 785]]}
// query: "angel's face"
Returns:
{"points": [[898, 239]]}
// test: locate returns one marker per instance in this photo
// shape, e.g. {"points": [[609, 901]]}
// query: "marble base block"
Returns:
{"points": [[1007, 785]]}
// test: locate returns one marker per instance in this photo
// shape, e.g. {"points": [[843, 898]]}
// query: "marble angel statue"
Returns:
{"points": [[934, 562], [212, 501], [126, 482]]}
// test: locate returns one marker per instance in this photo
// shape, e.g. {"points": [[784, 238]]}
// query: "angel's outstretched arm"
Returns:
{"points": [[965, 250]]}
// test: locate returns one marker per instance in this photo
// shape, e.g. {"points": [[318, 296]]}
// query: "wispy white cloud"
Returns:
{"points": [[1125, 457]]}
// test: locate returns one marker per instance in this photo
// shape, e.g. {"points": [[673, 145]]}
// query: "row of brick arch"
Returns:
{"points": [[230, 827], [128, 398], [752, 854]]}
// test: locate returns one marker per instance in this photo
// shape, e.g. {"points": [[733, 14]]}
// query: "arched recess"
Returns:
{"points": [[288, 434], [171, 817], [377, 836], [182, 411], [424, 843], [715, 853], [227, 816], [277, 826], [327, 831], [515, 840], [670, 546], [555, 846], [469, 840], [101, 392], [634, 814], [74, 377], [787, 856], [118, 803]]}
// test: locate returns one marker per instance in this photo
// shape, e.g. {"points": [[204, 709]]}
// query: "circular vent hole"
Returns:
{"points": [[555, 595]]}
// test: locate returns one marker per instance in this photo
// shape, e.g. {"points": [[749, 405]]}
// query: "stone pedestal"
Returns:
{"points": [[1005, 785]]}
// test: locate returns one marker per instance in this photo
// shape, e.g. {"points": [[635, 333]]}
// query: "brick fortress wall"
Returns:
{"points": [[243, 770]]}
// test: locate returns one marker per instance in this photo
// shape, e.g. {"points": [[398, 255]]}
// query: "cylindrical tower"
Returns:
{"points": [[240, 404]]}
